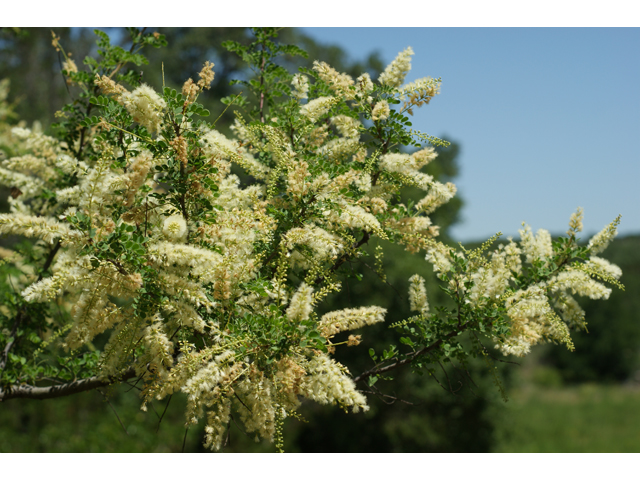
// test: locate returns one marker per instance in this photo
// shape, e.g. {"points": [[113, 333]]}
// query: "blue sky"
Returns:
{"points": [[548, 119]]}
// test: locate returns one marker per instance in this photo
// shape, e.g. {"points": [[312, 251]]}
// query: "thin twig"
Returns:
{"points": [[411, 357], [63, 77], [227, 440], [380, 277], [433, 375], [184, 440], [446, 375], [379, 394], [240, 400], [114, 411], [135, 384], [174, 333], [49, 259], [239, 427], [226, 108], [488, 353], [165, 411], [262, 84]]}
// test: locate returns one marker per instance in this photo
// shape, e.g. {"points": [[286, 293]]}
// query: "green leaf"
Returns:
{"points": [[407, 341]]}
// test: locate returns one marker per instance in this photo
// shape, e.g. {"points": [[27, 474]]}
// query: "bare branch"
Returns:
{"points": [[42, 393]]}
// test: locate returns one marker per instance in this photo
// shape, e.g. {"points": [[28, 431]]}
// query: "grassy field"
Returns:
{"points": [[585, 418]]}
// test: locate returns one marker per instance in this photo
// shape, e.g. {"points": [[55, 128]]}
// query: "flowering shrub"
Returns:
{"points": [[144, 241]]}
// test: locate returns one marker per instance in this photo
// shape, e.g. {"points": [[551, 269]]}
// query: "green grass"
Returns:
{"points": [[585, 418]]}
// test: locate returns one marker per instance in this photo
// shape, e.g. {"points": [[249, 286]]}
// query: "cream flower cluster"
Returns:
{"points": [[325, 245], [438, 195], [300, 84], [317, 108], [575, 222], [340, 83], [201, 262], [301, 304], [600, 241], [490, 281], [27, 185], [145, 106], [533, 318], [407, 166], [440, 256], [159, 347], [354, 216], [328, 384], [349, 319], [419, 93], [397, 70], [380, 111], [418, 295], [45, 228], [347, 126], [337, 149], [528, 311], [175, 228], [364, 86], [220, 147], [538, 247]]}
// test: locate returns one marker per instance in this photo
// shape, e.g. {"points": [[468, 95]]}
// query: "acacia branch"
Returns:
{"points": [[42, 393], [408, 359]]}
